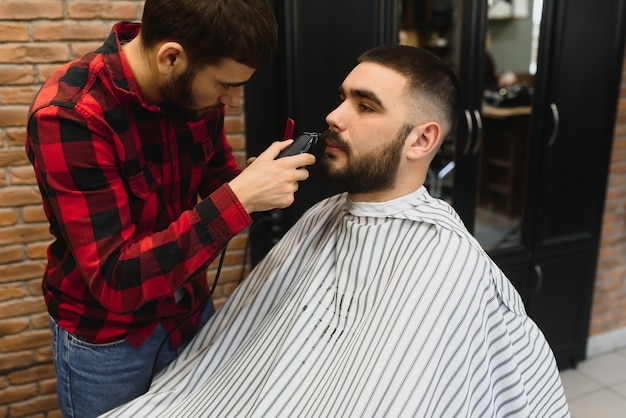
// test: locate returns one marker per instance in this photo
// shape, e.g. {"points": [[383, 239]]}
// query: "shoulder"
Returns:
{"points": [[76, 87]]}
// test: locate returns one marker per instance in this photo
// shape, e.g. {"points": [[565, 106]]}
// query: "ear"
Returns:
{"points": [[171, 58], [424, 140]]}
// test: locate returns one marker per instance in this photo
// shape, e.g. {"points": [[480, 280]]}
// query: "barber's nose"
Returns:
{"points": [[232, 96]]}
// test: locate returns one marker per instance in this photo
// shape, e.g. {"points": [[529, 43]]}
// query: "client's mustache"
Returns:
{"points": [[335, 137]]}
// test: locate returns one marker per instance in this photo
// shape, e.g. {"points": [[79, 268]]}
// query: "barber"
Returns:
{"points": [[123, 141]]}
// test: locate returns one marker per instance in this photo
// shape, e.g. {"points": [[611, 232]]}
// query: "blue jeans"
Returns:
{"points": [[95, 378]]}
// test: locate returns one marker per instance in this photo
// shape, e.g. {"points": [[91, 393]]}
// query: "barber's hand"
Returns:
{"points": [[267, 183]]}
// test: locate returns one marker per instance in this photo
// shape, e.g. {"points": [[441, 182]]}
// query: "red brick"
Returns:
{"points": [[16, 394], [10, 254], [237, 142], [13, 157], [30, 10], [218, 302], [229, 288], [16, 136], [33, 214], [118, 10], [240, 158], [12, 53], [13, 325], [37, 250], [21, 271], [81, 48], [23, 341], [13, 32], [44, 354], [18, 95], [234, 125], [16, 74], [47, 387], [238, 242], [231, 258], [12, 115], [21, 176], [8, 217], [32, 374], [15, 360], [29, 408], [55, 413], [605, 264], [229, 274], [24, 234], [616, 192], [41, 320], [21, 195], [68, 30]]}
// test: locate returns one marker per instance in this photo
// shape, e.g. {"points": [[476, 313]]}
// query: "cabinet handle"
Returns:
{"points": [[539, 274], [470, 131], [555, 128], [479, 131]]}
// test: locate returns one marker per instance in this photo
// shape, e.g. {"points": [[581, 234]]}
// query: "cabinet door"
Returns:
{"points": [[470, 65], [560, 301], [581, 63]]}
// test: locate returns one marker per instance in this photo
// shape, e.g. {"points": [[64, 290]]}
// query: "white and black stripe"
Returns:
{"points": [[366, 310]]}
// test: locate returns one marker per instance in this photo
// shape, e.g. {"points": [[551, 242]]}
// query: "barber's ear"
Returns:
{"points": [[424, 139], [171, 58]]}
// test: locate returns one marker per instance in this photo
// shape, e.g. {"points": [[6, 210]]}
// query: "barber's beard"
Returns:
{"points": [[374, 171], [179, 98]]}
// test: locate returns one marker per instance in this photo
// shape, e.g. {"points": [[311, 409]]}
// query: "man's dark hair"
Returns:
{"points": [[210, 30], [431, 81]]}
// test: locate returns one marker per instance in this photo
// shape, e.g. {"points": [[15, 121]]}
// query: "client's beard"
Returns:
{"points": [[371, 172]]}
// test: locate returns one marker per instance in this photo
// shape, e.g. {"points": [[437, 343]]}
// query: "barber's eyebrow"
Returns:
{"points": [[363, 94], [237, 84]]}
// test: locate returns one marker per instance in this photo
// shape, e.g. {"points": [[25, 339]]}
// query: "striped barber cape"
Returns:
{"points": [[366, 310]]}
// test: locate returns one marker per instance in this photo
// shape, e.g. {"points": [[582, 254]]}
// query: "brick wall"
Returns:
{"points": [[609, 301], [35, 38]]}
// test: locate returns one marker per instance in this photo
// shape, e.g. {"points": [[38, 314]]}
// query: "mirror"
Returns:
{"points": [[511, 41], [510, 65]]}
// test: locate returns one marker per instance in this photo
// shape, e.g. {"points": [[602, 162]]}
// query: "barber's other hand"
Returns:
{"points": [[267, 183]]}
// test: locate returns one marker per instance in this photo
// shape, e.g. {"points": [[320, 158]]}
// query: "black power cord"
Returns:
{"points": [[275, 217], [199, 308]]}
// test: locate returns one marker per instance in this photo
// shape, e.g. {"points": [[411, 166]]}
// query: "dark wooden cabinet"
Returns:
{"points": [[554, 157], [580, 61], [560, 302]]}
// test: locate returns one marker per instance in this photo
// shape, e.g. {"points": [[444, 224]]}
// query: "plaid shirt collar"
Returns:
{"points": [[117, 65]]}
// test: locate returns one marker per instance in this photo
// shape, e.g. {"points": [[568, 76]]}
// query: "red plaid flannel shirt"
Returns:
{"points": [[120, 180]]}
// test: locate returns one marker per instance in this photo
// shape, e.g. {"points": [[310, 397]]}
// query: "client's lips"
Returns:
{"points": [[332, 145]]}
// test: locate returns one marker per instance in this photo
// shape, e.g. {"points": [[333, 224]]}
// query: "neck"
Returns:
{"points": [[402, 186], [145, 76]]}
